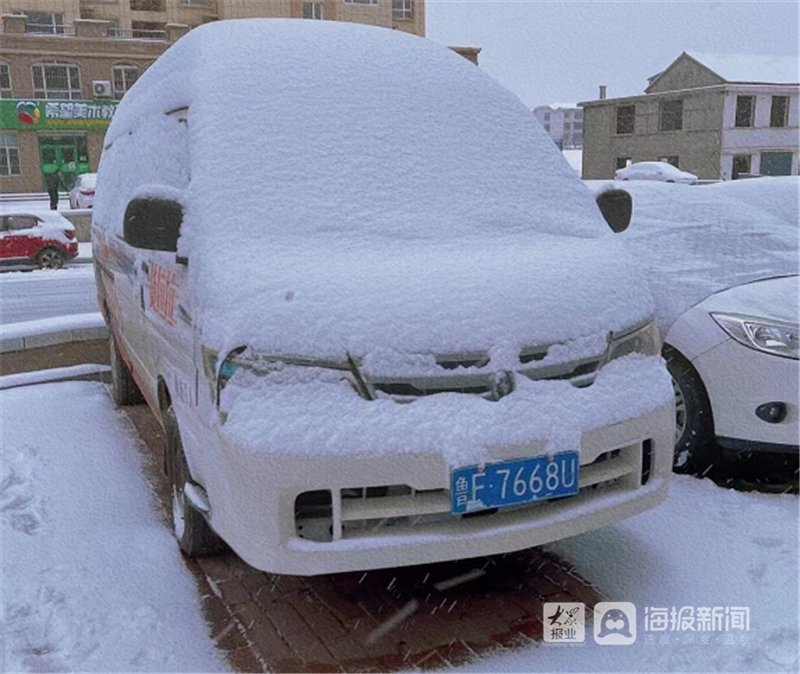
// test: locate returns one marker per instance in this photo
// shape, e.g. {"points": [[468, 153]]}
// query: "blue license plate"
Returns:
{"points": [[509, 483]]}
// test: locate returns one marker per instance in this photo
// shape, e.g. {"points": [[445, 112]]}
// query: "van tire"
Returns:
{"points": [[194, 535], [695, 446], [124, 389]]}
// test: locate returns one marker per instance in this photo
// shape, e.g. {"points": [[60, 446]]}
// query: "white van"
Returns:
{"points": [[380, 318]]}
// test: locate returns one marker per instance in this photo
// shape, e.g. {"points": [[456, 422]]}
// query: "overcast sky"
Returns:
{"points": [[559, 52]]}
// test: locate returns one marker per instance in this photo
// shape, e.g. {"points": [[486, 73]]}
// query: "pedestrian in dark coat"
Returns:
{"points": [[53, 183]]}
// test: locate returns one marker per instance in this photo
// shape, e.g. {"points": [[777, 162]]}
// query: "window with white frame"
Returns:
{"points": [[9, 155], [402, 10], [47, 23], [56, 80], [123, 75], [360, 2], [313, 10], [5, 80]]}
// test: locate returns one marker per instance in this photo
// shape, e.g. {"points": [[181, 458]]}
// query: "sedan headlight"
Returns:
{"points": [[775, 337], [642, 339]]}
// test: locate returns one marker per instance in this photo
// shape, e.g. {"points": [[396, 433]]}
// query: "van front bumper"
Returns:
{"points": [[385, 510]]}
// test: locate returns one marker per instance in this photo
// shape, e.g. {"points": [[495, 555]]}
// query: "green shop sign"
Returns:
{"points": [[31, 115]]}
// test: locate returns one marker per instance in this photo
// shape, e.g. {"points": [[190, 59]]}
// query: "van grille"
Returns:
{"points": [[579, 372], [362, 512]]}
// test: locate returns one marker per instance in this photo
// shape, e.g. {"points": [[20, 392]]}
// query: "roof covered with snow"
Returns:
{"points": [[751, 67]]}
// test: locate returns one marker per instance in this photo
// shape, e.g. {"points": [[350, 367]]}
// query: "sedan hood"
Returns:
{"points": [[328, 300], [773, 298]]}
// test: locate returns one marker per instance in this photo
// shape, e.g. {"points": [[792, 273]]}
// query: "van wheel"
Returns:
{"points": [[50, 258], [195, 537], [124, 389], [695, 446]]}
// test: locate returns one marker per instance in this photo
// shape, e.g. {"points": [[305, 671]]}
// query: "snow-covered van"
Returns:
{"points": [[380, 318]]}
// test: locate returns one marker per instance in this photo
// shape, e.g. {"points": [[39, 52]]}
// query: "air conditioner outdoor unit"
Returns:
{"points": [[101, 88]]}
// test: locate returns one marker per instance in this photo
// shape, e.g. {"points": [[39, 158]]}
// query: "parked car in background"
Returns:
{"points": [[655, 170], [30, 240], [81, 194], [723, 263], [462, 364]]}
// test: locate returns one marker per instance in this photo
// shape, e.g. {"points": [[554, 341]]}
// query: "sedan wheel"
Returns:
{"points": [[50, 258]]}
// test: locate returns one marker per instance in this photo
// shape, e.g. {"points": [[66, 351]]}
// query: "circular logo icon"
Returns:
{"points": [[28, 113]]}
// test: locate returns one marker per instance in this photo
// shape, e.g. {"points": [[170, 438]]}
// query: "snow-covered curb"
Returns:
{"points": [[52, 375], [50, 331]]}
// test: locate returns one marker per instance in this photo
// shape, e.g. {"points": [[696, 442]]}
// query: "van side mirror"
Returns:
{"points": [[153, 224], [617, 208]]}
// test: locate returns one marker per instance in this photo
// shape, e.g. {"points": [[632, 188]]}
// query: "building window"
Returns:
{"points": [[9, 155], [148, 5], [313, 10], [123, 76], [670, 159], [671, 114], [776, 164], [622, 162], [195, 3], [45, 23], [779, 112], [402, 10], [745, 105], [5, 80], [741, 164], [360, 2], [56, 80], [626, 119]]}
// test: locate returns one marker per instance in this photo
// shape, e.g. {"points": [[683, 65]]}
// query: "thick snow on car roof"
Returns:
{"points": [[697, 240], [353, 186]]}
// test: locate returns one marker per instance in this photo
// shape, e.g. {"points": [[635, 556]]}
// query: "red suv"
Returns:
{"points": [[30, 240]]}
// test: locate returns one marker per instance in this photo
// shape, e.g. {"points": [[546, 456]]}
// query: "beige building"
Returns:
{"points": [[64, 65], [715, 116]]}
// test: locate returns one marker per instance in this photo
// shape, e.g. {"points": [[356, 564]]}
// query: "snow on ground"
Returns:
{"points": [[44, 326], [92, 579], [47, 293], [51, 374], [705, 546]]}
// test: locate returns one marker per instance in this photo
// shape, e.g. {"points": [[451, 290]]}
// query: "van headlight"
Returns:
{"points": [[775, 337], [288, 370], [643, 339]]}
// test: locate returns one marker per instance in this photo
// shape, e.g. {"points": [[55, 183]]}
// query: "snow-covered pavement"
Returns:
{"points": [[706, 546], [92, 580], [27, 296]]}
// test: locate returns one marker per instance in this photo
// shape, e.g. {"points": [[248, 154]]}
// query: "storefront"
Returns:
{"points": [[38, 137]]}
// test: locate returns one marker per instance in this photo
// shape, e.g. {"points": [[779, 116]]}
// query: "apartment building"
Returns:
{"points": [[65, 64], [564, 123], [717, 116]]}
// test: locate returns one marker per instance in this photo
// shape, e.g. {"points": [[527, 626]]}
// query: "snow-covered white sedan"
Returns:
{"points": [[723, 263], [655, 170], [734, 360]]}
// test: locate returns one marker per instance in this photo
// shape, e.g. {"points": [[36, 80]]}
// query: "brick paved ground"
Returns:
{"points": [[375, 621]]}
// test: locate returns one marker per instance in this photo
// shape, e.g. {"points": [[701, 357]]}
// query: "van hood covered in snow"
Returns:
{"points": [[330, 300]]}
